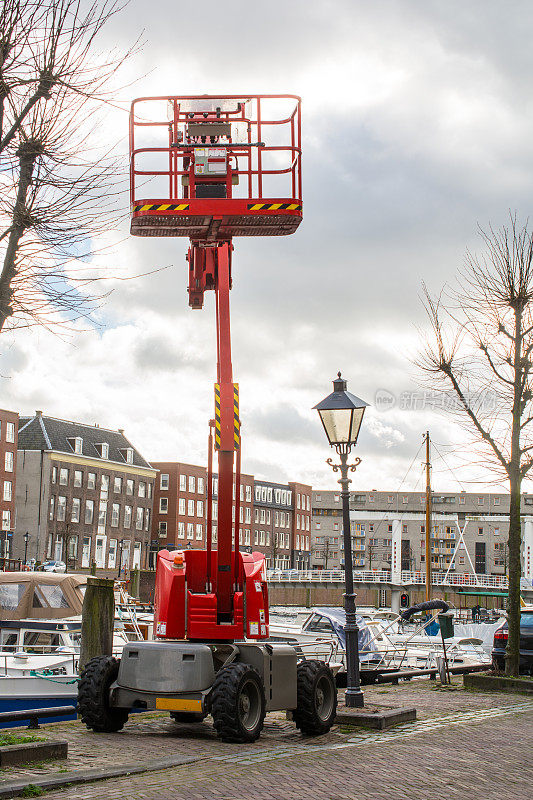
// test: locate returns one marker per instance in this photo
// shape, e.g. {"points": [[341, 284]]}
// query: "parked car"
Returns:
{"points": [[526, 643], [53, 566]]}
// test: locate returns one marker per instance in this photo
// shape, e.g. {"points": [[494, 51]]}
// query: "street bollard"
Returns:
{"points": [[135, 582], [97, 620]]}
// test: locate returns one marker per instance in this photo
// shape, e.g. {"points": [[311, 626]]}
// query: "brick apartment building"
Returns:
{"points": [[8, 467], [376, 516], [179, 505], [84, 494], [269, 521]]}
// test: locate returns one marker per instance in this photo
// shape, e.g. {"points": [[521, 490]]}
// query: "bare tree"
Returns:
{"points": [[58, 185], [325, 551], [371, 551], [481, 349]]}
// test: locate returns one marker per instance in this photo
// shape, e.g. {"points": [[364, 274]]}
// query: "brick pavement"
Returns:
{"points": [[467, 745]]}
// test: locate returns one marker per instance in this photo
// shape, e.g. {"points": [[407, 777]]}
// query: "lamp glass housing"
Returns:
{"points": [[342, 424]]}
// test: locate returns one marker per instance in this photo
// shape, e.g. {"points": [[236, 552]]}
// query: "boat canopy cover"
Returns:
{"points": [[40, 595], [337, 617]]}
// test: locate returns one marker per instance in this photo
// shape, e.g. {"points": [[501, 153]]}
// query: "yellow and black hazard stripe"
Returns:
{"points": [[217, 416], [236, 419], [162, 207], [274, 206]]}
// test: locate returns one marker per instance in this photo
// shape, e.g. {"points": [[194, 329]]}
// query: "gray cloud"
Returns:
{"points": [[416, 129]]}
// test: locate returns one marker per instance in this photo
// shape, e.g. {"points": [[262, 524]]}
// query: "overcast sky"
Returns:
{"points": [[417, 123]]}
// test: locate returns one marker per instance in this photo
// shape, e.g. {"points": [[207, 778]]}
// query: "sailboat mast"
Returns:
{"points": [[428, 518]]}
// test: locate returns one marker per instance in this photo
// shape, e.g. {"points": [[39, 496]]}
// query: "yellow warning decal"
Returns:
{"points": [[274, 206], [178, 704], [161, 207]]}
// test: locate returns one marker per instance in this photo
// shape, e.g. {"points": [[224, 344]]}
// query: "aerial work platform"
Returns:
{"points": [[216, 167]]}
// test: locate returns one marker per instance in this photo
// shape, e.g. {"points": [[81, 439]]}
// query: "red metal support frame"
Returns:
{"points": [[209, 510], [225, 564], [237, 517]]}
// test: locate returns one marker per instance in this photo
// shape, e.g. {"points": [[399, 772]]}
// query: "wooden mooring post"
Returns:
{"points": [[97, 619]]}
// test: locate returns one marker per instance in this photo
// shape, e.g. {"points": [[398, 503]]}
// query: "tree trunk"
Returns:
{"points": [[27, 158], [512, 654]]}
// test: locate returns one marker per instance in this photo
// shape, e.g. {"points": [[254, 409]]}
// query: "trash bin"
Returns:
{"points": [[446, 625]]}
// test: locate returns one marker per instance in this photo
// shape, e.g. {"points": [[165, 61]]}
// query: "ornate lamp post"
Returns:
{"points": [[26, 539], [341, 414]]}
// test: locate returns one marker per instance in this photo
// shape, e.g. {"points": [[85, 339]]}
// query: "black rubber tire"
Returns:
{"points": [[316, 698], [238, 703], [187, 716], [93, 696]]}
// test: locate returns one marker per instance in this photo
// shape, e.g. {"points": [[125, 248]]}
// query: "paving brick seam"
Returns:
{"points": [[408, 729]]}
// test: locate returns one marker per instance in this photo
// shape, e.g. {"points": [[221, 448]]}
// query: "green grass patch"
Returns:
{"points": [[7, 739], [31, 790]]}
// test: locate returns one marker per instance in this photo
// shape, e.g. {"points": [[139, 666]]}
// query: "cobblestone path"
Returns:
{"points": [[471, 746]]}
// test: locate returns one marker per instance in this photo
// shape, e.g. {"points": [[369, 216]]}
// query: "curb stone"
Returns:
{"points": [[61, 779]]}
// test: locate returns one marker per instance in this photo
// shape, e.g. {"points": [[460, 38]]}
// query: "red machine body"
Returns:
{"points": [[210, 168], [185, 610]]}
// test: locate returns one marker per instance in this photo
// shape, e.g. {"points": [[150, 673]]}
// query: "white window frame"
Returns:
{"points": [[75, 510], [61, 512], [89, 512]]}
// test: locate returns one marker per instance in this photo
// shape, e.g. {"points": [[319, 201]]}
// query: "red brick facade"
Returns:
{"points": [[179, 505], [267, 514], [8, 467]]}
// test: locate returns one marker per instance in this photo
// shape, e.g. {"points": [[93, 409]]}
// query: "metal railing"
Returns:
{"points": [[466, 579], [33, 715]]}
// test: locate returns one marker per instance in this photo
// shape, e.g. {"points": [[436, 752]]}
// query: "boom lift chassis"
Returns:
{"points": [[211, 653]]}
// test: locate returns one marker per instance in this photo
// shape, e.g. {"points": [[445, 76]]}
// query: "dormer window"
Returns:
{"points": [[103, 449], [76, 442], [127, 454]]}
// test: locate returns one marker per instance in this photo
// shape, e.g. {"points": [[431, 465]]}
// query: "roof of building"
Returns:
{"points": [[47, 433]]}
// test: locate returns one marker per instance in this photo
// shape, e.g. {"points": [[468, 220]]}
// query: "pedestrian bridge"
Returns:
{"points": [[466, 579]]}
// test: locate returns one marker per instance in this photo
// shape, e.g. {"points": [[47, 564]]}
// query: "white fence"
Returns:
{"points": [[383, 576]]}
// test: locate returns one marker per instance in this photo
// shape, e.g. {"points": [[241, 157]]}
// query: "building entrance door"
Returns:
{"points": [[86, 552], [100, 551]]}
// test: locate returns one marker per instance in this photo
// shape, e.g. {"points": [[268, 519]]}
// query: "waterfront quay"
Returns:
{"points": [[473, 745]]}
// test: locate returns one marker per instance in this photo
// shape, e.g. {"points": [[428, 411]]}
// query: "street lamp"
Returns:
{"points": [[341, 414], [26, 539], [121, 543]]}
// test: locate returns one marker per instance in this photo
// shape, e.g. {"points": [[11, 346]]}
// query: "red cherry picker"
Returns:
{"points": [[211, 168]]}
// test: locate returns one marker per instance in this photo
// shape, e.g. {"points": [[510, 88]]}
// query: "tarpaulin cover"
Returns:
{"points": [[337, 618], [40, 595]]}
